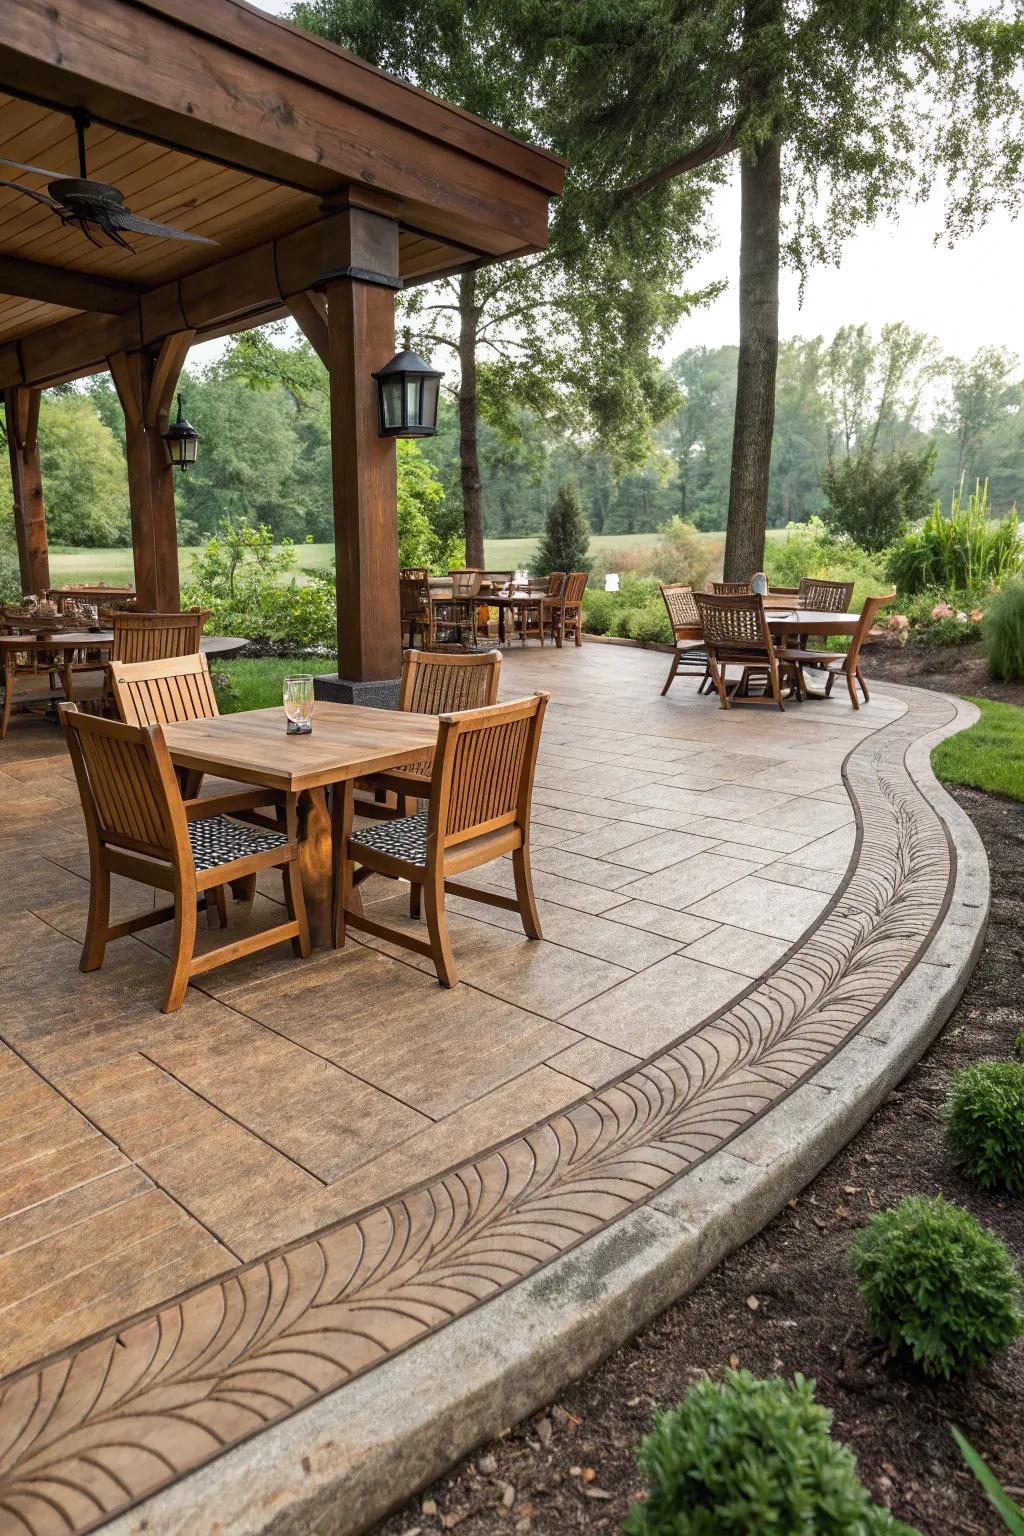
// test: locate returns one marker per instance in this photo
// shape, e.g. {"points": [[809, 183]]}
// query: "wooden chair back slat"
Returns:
{"points": [[868, 614], [556, 580], [575, 586], [465, 583], [483, 769], [438, 684], [157, 636], [156, 692], [127, 784], [730, 588], [823, 596], [683, 613]]}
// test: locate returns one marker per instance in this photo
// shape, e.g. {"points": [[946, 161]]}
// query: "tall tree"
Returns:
{"points": [[571, 334], [838, 110]]}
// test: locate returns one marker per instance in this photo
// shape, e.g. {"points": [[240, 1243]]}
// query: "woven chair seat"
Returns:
{"points": [[403, 838], [218, 840]]}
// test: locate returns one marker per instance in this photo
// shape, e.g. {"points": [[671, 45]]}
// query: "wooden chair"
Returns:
{"points": [[563, 613], [140, 827], [432, 684], [823, 596], [478, 810], [453, 615], [736, 633], [28, 682], [156, 636], [416, 609], [730, 588], [837, 665], [689, 654]]}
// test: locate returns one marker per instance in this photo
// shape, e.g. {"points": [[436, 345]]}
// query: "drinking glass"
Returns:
{"points": [[298, 703]]}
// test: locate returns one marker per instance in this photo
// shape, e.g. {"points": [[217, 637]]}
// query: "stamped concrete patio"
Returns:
{"points": [[212, 1220]]}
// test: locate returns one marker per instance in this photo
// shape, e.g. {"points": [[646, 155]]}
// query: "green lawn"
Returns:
{"points": [[258, 684], [990, 755]]}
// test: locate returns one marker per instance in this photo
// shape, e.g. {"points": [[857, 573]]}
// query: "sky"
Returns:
{"points": [[968, 297]]}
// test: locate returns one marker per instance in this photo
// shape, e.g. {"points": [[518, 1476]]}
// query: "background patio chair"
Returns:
{"points": [[689, 654], [563, 614], [479, 809], [29, 682], [825, 596], [432, 684], [414, 600], [155, 636], [453, 615], [736, 634], [835, 665], [140, 828], [730, 588]]}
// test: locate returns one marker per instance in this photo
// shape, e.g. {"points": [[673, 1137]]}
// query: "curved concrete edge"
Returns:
{"points": [[343, 1463]]}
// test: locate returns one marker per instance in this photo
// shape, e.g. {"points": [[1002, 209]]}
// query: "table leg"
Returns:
{"points": [[315, 864], [345, 896]]}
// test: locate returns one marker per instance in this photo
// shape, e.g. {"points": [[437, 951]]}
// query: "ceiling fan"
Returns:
{"points": [[93, 206]]}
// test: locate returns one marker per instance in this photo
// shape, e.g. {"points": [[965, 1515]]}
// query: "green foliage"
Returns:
{"points": [[425, 536], [1004, 632], [984, 1114], [649, 623], [871, 499], [962, 550], [1010, 1513], [1018, 1046], [599, 608], [566, 540], [10, 574], [938, 1285], [808, 550], [745, 1455], [988, 756], [679, 555], [249, 586], [85, 481], [945, 618], [244, 683]]}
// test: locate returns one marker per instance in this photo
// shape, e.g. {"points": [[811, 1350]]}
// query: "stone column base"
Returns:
{"points": [[343, 690]]}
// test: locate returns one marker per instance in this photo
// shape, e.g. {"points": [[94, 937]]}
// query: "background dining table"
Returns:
{"points": [[347, 742]]}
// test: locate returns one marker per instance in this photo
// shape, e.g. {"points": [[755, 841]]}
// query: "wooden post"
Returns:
{"points": [[21, 412], [360, 340], [145, 384]]}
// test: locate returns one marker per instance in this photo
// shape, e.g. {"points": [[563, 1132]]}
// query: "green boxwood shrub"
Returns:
{"points": [[935, 1283], [1018, 1046], [599, 609], [649, 623], [1004, 632], [745, 1455], [985, 1124]]}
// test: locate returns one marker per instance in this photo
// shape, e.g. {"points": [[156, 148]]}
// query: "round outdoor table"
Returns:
{"points": [[811, 621]]}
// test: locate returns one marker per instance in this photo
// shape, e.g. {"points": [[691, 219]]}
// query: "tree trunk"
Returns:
{"points": [[469, 452], [761, 194]]}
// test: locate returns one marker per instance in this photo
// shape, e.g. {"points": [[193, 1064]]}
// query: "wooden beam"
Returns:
{"points": [[309, 311], [145, 383], [21, 414], [62, 285], [274, 104], [361, 339]]}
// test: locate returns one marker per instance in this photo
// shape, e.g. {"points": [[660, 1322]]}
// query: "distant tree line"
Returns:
{"points": [[264, 455]]}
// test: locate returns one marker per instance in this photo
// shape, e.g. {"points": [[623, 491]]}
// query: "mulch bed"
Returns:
{"points": [[956, 669], [785, 1303]]}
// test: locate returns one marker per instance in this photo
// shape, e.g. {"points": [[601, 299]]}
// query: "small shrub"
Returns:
{"points": [[745, 1455], [936, 1283], [945, 618], [1004, 633], [872, 497], [650, 623], [598, 611], [680, 555], [984, 1116], [566, 540]]}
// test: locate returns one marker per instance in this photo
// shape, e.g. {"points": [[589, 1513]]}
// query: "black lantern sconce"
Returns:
{"points": [[182, 441], [407, 394]]}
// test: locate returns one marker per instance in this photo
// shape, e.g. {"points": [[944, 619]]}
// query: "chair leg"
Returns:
{"points": [[579, 631], [182, 949], [99, 918], [673, 669], [851, 684], [295, 903], [718, 678], [244, 889], [863, 686], [524, 893], [8, 706], [828, 685], [216, 908], [437, 930], [415, 893]]}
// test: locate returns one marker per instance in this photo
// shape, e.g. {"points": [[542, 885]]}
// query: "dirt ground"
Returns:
{"points": [[959, 669], [786, 1302]]}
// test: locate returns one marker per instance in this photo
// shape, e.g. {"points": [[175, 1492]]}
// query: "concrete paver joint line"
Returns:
{"points": [[571, 1232]]}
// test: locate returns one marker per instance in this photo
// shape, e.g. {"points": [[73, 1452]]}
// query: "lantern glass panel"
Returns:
{"points": [[391, 402], [413, 396], [428, 408]]}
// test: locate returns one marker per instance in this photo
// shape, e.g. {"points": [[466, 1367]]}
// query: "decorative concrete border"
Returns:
{"points": [[575, 1233]]}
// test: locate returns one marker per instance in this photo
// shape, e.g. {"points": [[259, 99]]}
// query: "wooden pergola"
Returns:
{"points": [[328, 187]]}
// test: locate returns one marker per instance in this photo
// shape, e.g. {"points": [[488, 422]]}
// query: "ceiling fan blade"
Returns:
{"points": [[39, 197], [123, 218], [35, 170]]}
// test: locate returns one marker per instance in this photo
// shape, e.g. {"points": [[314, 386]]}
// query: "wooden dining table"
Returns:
{"points": [[347, 742], [810, 621]]}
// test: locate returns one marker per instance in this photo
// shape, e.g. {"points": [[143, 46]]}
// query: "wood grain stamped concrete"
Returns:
{"points": [[212, 1218]]}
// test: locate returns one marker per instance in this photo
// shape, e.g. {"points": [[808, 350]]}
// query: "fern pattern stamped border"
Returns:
{"points": [[100, 1427]]}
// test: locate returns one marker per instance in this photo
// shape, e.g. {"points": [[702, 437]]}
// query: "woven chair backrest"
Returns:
{"points": [[683, 612], [730, 588], [736, 621], [825, 596]]}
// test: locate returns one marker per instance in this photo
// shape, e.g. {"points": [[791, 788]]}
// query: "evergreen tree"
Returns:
{"points": [[566, 540]]}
